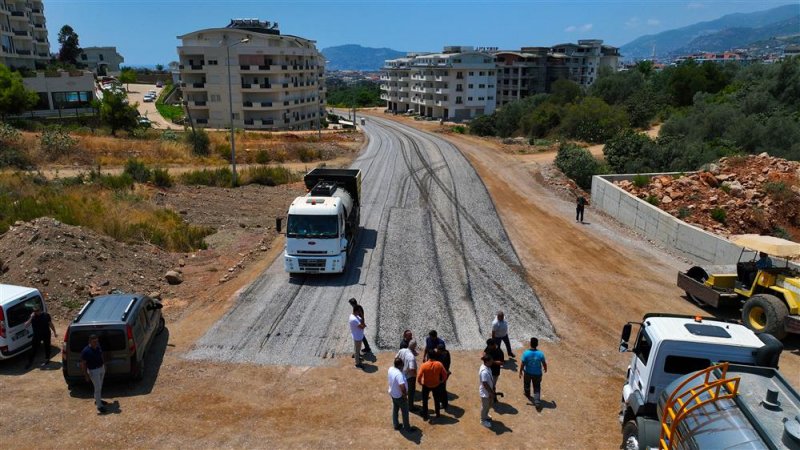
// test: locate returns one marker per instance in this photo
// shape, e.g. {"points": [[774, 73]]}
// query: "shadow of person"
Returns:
{"points": [[369, 357], [451, 396], [544, 404], [111, 408], [51, 365], [414, 434], [500, 428], [454, 410], [369, 368], [504, 408], [510, 364], [443, 420]]}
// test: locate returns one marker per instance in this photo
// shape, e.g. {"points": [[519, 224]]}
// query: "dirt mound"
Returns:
{"points": [[750, 194], [70, 264]]}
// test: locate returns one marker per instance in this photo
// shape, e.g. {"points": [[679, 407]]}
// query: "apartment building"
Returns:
{"points": [[523, 73], [102, 60], [62, 93], [584, 59], [276, 81], [458, 83], [23, 34]]}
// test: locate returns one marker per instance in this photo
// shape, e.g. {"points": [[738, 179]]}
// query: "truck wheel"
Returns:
{"points": [[630, 436], [764, 313]]}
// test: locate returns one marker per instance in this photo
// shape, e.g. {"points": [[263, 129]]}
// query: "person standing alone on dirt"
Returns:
{"points": [[581, 203], [533, 365], [357, 332], [42, 325], [93, 366], [398, 392], [359, 311], [500, 332]]}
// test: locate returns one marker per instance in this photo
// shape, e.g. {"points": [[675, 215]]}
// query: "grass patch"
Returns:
{"points": [[653, 200], [719, 215], [640, 181], [169, 112], [684, 212], [459, 129], [268, 176], [208, 177], [124, 216]]}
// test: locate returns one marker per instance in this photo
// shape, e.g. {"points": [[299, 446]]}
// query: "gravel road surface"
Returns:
{"points": [[432, 254]]}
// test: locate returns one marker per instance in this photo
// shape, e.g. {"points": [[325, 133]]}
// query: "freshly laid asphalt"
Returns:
{"points": [[432, 254]]}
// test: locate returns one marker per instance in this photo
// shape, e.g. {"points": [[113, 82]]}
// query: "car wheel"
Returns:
{"points": [[630, 436], [139, 376]]}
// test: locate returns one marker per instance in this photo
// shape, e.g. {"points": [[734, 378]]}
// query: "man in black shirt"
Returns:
{"points": [[42, 325], [498, 358], [444, 357]]}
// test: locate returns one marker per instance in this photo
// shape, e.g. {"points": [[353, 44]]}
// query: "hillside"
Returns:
{"points": [[356, 57], [737, 37], [671, 41]]}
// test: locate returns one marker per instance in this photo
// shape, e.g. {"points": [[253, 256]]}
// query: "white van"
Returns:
{"points": [[16, 306]]}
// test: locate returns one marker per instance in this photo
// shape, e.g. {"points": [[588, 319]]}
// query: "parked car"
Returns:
{"points": [[16, 306], [144, 122], [159, 84], [149, 98], [126, 325]]}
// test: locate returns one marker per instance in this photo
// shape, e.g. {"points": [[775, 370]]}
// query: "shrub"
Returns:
{"points": [[725, 188], [593, 120], [307, 154], [267, 176], [223, 150], [778, 190], [578, 164], [55, 143], [684, 212], [137, 170], [162, 178], [781, 233], [207, 177], [280, 155], [8, 134], [169, 136], [459, 129], [114, 182], [199, 142], [719, 215], [640, 181], [11, 153], [482, 126], [262, 157], [653, 200]]}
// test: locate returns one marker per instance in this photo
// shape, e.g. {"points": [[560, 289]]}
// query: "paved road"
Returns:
{"points": [[432, 254], [136, 94]]}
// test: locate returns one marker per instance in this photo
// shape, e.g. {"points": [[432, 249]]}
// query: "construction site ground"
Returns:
{"points": [[591, 277]]}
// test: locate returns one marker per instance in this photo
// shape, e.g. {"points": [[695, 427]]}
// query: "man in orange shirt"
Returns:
{"points": [[432, 376]]}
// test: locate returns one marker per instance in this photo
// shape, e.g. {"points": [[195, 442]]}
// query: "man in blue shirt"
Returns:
{"points": [[533, 367], [94, 369], [431, 344], [763, 261]]}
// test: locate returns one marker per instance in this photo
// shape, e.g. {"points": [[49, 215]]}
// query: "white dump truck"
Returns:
{"points": [[322, 226], [699, 383]]}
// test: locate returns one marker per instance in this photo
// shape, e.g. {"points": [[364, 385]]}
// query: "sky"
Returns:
{"points": [[145, 31]]}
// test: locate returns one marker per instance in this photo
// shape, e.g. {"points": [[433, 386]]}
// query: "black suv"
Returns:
{"points": [[126, 325]]}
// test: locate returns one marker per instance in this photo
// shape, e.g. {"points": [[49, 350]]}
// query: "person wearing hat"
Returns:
{"points": [[42, 325], [93, 366]]}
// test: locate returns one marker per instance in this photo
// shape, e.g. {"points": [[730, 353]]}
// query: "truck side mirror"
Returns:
{"points": [[278, 224], [626, 335]]}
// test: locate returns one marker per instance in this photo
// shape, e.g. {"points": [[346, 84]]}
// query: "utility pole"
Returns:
{"points": [[230, 107]]}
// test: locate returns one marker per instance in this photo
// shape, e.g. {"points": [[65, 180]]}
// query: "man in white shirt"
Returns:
{"points": [[408, 353], [500, 332], [397, 390], [486, 390], [357, 332]]}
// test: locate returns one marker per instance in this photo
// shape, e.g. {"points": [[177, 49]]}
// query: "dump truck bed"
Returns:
{"points": [[349, 179]]}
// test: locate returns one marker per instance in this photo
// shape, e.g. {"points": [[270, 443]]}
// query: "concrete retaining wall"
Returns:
{"points": [[695, 244]]}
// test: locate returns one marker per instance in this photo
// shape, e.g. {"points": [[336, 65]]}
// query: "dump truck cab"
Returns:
{"points": [[768, 294], [669, 346]]}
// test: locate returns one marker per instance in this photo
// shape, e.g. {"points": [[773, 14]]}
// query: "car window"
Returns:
{"points": [[643, 346], [110, 340], [21, 312]]}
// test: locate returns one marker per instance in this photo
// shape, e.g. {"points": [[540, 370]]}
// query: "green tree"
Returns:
{"points": [[578, 164], [624, 151], [14, 98], [645, 67], [483, 126], [127, 76], [542, 120], [117, 113], [616, 87], [564, 91], [593, 120], [159, 67], [70, 49]]}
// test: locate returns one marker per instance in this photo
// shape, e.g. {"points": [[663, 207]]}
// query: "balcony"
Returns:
{"points": [[24, 52], [38, 26], [200, 103], [22, 33], [17, 13]]}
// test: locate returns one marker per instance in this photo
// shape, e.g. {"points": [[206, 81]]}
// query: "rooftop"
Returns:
{"points": [[10, 292], [255, 25]]}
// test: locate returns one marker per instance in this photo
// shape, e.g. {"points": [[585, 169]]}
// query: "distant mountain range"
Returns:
{"points": [[727, 32], [356, 57]]}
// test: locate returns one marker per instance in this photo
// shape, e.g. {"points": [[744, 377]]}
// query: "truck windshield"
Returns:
{"points": [[318, 227]]}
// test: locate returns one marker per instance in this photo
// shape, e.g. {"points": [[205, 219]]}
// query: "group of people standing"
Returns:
{"points": [[434, 372]]}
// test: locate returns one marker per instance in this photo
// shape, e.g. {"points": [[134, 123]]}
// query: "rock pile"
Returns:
{"points": [[742, 194], [71, 264]]}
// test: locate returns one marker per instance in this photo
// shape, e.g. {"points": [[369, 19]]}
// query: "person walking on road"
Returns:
{"points": [[42, 326], [431, 376], [486, 390], [431, 344], [443, 356], [357, 332], [534, 366], [408, 355], [500, 332], [493, 350], [93, 366], [397, 390], [580, 204], [359, 311]]}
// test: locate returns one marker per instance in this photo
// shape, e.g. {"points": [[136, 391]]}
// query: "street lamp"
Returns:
{"points": [[230, 105]]}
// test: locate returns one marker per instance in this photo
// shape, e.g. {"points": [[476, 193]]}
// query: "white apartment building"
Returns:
{"points": [[277, 81], [457, 84], [584, 59], [23, 34], [102, 60], [62, 93]]}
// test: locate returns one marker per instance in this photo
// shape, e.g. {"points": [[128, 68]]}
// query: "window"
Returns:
{"points": [[110, 340], [469, 86], [215, 97], [682, 365], [491, 86], [21, 312], [491, 73], [490, 98], [471, 73], [481, 73], [318, 227], [72, 99], [643, 346], [458, 101], [480, 99], [481, 86], [469, 99], [212, 62], [101, 57]]}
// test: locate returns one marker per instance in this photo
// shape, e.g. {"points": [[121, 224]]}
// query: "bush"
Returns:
{"points": [[137, 170], [578, 164], [593, 120], [169, 136], [778, 191], [640, 181], [653, 200], [113, 182], [482, 126], [218, 177], [11, 153], [55, 143], [262, 157], [199, 142], [684, 212], [267, 176], [280, 155], [162, 178], [625, 151], [8, 134], [459, 129], [719, 215], [307, 154], [223, 150]]}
